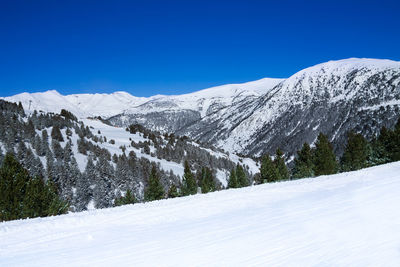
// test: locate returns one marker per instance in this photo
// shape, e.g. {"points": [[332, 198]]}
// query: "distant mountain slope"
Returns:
{"points": [[107, 105], [333, 97], [348, 219], [82, 105], [257, 117]]}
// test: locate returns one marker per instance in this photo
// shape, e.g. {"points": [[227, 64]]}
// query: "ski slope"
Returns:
{"points": [[349, 219]]}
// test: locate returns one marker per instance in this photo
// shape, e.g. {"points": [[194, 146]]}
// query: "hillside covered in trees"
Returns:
{"points": [[89, 164]]}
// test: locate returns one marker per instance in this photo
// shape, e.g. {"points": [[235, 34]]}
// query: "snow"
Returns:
{"points": [[348, 219], [330, 80], [108, 105], [121, 138], [202, 100]]}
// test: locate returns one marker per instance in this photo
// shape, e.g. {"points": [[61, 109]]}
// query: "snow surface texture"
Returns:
{"points": [[348, 219]]}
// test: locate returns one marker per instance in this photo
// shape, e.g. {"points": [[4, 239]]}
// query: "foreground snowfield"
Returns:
{"points": [[349, 219]]}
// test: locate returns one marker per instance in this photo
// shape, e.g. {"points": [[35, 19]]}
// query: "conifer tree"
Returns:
{"points": [[129, 198], [241, 176], [395, 151], [233, 183], [103, 193], [56, 134], [303, 164], [356, 152], [189, 185], [155, 190], [84, 192], [279, 161], [1, 156], [207, 181], [173, 191], [324, 158], [268, 171], [22, 196]]}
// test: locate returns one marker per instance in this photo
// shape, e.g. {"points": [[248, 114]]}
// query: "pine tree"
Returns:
{"points": [[129, 198], [172, 192], [324, 158], [189, 185], [268, 171], [103, 193], [84, 192], [395, 149], [241, 176], [58, 151], [56, 134], [207, 181], [233, 182], [155, 190], [22, 196], [1, 155], [356, 152], [279, 161], [303, 164]]}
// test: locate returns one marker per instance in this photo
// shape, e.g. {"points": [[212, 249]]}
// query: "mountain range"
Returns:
{"points": [[256, 117]]}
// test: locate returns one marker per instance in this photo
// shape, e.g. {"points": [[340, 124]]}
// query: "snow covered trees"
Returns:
{"points": [[103, 192]]}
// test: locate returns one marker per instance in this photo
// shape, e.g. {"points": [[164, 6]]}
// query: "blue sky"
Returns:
{"points": [[173, 47]]}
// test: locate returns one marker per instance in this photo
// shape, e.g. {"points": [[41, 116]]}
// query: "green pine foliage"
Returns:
{"points": [[22, 196], [155, 190], [129, 198], [189, 185], [395, 153], [173, 192], [324, 158], [206, 180], [241, 176], [268, 170], [233, 182], [356, 152], [304, 163], [282, 170]]}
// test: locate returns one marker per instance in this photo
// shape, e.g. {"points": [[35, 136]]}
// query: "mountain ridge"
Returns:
{"points": [[256, 117]]}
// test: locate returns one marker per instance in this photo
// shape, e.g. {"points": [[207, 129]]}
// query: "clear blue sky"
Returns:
{"points": [[172, 47]]}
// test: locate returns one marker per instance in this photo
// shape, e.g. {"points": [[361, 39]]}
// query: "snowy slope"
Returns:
{"points": [[331, 97], [348, 219], [82, 105], [204, 100]]}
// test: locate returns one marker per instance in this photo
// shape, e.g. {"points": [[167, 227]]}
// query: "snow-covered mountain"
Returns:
{"points": [[82, 105], [258, 117], [332, 97], [107, 105], [347, 219]]}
